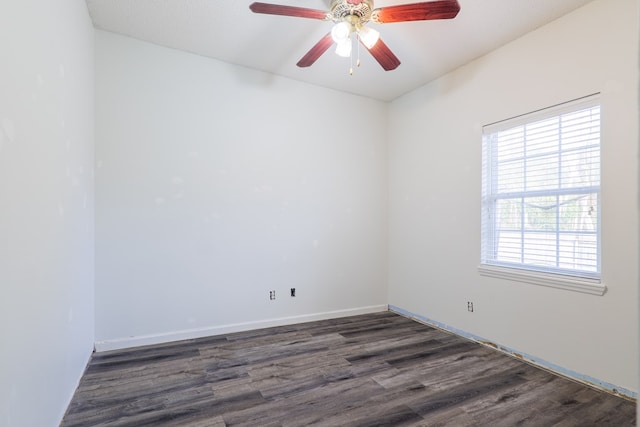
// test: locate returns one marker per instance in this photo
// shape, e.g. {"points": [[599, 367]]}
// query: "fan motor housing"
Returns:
{"points": [[351, 10]]}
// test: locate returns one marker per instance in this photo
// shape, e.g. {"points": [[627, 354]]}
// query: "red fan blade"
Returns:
{"points": [[441, 9], [278, 9], [383, 55], [316, 51]]}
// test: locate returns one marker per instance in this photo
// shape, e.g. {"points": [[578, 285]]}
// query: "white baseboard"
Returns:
{"points": [[137, 341]]}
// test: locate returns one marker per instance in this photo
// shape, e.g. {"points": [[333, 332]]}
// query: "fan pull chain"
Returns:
{"points": [[358, 43], [351, 57]]}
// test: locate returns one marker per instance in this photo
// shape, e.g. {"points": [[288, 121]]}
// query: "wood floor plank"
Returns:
{"points": [[378, 369]]}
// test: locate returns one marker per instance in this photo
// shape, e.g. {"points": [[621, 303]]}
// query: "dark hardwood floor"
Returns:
{"points": [[372, 370]]}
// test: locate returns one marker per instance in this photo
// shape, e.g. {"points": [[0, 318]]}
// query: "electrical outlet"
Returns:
{"points": [[272, 295], [470, 306], [293, 292]]}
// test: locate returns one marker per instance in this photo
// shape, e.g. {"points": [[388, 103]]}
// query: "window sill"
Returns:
{"points": [[569, 283]]}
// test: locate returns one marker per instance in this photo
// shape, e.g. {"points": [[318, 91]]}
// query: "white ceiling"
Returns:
{"points": [[227, 30]]}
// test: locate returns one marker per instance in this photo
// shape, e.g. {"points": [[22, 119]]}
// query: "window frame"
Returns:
{"points": [[557, 277]]}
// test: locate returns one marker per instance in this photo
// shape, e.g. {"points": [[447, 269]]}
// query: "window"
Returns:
{"points": [[541, 192]]}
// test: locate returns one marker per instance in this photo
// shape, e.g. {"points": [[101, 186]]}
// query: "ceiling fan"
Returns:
{"points": [[350, 17]]}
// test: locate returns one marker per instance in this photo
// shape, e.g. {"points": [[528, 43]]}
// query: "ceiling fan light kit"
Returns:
{"points": [[350, 17]]}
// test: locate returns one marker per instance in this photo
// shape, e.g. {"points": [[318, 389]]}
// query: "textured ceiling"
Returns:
{"points": [[227, 30]]}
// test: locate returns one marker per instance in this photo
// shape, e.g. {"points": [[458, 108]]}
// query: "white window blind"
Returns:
{"points": [[541, 191]]}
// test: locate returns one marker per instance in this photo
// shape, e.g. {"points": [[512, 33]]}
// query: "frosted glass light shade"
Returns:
{"points": [[344, 48], [341, 32], [368, 36]]}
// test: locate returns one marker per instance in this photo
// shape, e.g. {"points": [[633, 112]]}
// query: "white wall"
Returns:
{"points": [[434, 172], [46, 214], [216, 184]]}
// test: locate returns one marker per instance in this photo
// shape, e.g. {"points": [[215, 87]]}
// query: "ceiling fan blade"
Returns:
{"points": [[316, 51], [278, 9], [440, 9], [381, 52]]}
